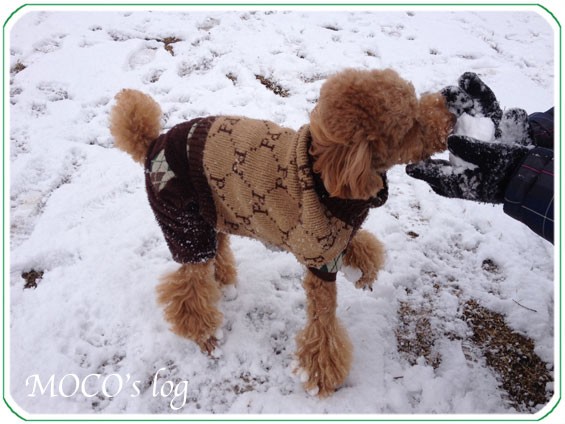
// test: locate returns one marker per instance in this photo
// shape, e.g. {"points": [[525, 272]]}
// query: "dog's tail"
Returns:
{"points": [[135, 121]]}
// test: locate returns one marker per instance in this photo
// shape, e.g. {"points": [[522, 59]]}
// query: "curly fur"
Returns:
{"points": [[367, 121], [435, 123], [366, 253], [190, 296], [364, 123], [135, 121], [225, 270], [324, 350]]}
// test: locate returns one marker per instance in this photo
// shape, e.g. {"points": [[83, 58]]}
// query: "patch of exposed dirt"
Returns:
{"points": [[168, 42], [414, 335], [272, 86], [524, 376], [232, 77], [32, 278], [18, 67]]}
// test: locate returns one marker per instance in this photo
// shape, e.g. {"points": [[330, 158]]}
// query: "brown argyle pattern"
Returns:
{"points": [[263, 187], [160, 172]]}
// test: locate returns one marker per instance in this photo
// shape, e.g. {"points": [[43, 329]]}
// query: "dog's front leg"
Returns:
{"points": [[324, 349], [365, 253]]}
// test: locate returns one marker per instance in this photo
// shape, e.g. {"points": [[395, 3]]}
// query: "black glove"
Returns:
{"points": [[491, 164], [486, 181], [474, 97]]}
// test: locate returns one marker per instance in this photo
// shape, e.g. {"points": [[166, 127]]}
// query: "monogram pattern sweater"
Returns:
{"points": [[254, 178]]}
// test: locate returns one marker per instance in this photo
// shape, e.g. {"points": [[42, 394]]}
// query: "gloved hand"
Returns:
{"points": [[474, 97], [491, 166]]}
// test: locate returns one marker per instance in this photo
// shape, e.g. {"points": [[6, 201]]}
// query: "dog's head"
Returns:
{"points": [[367, 121]]}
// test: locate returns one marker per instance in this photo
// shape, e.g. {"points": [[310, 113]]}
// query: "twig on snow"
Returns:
{"points": [[525, 307]]}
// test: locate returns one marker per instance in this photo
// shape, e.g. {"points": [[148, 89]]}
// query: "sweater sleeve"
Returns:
{"points": [[529, 194], [541, 128]]}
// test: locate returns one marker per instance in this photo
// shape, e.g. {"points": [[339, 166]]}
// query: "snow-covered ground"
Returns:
{"points": [[78, 213]]}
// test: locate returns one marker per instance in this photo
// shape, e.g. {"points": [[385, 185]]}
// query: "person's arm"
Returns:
{"points": [[514, 175], [541, 124], [530, 192]]}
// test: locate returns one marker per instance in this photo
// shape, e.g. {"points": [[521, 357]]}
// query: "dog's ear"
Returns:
{"points": [[346, 169]]}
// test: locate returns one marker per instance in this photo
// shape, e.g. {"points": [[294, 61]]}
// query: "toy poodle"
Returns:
{"points": [[306, 192]]}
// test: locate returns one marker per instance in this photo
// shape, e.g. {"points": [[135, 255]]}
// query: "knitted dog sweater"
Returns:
{"points": [[250, 178]]}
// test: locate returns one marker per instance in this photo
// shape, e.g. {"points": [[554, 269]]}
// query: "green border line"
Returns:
{"points": [[557, 332]]}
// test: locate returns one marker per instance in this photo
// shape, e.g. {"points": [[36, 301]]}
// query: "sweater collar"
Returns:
{"points": [[351, 211]]}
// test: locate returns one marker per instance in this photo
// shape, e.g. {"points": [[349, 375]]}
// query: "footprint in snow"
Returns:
{"points": [[152, 76], [142, 56], [49, 45], [54, 91]]}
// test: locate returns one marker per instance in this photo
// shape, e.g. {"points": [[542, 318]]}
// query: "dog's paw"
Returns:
{"points": [[304, 378], [209, 345], [317, 382], [312, 390], [364, 284], [212, 345], [217, 353], [313, 385]]}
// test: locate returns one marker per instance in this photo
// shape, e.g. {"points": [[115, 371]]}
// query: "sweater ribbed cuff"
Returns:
{"points": [[330, 277]]}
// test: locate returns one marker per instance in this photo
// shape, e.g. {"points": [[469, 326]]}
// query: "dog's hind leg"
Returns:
{"points": [[190, 296], [225, 271], [324, 349], [366, 253]]}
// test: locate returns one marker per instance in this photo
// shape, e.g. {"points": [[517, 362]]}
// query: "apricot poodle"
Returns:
{"points": [[306, 192]]}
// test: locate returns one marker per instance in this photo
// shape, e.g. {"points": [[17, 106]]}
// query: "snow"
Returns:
{"points": [[78, 212], [478, 127]]}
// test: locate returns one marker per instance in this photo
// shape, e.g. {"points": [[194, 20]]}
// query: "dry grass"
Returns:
{"points": [[232, 77], [521, 373], [18, 67], [168, 42], [32, 278], [414, 335], [272, 86], [524, 376]]}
